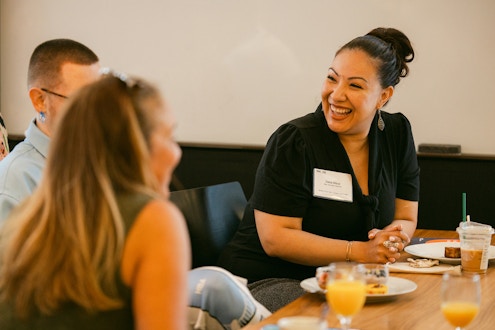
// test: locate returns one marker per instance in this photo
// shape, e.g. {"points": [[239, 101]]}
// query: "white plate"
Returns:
{"points": [[396, 286], [437, 251]]}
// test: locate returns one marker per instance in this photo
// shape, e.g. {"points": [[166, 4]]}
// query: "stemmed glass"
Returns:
{"points": [[461, 298], [346, 290]]}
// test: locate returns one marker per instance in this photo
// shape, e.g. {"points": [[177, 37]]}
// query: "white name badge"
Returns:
{"points": [[332, 185]]}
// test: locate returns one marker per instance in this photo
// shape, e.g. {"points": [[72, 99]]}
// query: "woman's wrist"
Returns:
{"points": [[348, 251]]}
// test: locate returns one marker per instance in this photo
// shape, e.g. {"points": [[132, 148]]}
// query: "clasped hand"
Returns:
{"points": [[387, 244]]}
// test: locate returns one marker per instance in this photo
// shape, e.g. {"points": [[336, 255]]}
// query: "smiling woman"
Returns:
{"points": [[295, 220]]}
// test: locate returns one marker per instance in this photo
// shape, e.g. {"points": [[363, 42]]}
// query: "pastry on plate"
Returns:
{"points": [[376, 289], [452, 252]]}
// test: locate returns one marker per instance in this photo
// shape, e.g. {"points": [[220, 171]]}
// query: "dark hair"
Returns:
{"points": [[391, 48], [48, 58]]}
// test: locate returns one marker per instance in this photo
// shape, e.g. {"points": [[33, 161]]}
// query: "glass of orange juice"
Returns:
{"points": [[346, 290], [461, 298]]}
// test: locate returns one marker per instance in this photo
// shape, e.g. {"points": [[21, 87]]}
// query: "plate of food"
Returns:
{"points": [[396, 286], [445, 252]]}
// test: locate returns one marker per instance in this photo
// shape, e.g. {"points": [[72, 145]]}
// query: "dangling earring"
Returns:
{"points": [[42, 117], [381, 123]]}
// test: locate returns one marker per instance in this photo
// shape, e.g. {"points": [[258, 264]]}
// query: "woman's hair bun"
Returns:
{"points": [[399, 42]]}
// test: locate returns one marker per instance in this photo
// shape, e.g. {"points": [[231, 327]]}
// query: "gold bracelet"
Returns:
{"points": [[348, 251]]}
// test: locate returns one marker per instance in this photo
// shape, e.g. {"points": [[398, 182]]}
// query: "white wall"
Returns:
{"points": [[235, 70]]}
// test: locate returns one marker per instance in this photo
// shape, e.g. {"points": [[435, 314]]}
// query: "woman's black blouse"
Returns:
{"points": [[284, 186]]}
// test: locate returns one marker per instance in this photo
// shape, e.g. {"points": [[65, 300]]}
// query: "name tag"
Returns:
{"points": [[332, 185]]}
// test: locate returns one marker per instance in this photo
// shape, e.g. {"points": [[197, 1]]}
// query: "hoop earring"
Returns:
{"points": [[42, 117], [381, 123]]}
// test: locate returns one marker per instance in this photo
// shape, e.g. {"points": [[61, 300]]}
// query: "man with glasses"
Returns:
{"points": [[57, 68]]}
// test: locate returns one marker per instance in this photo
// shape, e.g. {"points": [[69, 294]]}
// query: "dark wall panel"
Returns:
{"points": [[443, 180], [204, 166]]}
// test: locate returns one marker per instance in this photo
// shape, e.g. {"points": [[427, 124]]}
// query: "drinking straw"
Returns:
{"points": [[463, 207]]}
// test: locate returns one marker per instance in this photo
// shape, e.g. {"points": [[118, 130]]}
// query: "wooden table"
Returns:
{"points": [[416, 310]]}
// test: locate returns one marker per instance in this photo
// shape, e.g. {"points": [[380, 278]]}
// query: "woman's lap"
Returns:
{"points": [[274, 293]]}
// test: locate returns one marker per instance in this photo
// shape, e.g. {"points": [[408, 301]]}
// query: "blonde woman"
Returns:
{"points": [[98, 245]]}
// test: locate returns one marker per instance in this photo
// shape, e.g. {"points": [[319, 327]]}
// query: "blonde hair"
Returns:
{"points": [[64, 243]]}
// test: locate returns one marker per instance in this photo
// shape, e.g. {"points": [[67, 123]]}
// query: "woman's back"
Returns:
{"points": [[71, 316]]}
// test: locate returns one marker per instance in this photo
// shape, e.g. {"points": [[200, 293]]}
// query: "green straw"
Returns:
{"points": [[463, 207]]}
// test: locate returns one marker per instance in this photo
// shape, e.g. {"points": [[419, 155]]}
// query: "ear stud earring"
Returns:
{"points": [[42, 117]]}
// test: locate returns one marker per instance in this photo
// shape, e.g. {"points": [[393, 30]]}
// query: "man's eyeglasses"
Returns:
{"points": [[53, 93]]}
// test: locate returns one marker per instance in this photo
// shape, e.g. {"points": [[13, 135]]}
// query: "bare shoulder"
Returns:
{"points": [[159, 214], [159, 224], [159, 233]]}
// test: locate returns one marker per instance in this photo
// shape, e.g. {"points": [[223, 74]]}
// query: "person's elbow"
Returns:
{"points": [[270, 246], [275, 232], [276, 242]]}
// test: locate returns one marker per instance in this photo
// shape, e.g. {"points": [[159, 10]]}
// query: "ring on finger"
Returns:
{"points": [[389, 244]]}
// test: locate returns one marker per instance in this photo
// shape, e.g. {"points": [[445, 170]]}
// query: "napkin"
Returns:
{"points": [[403, 267]]}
